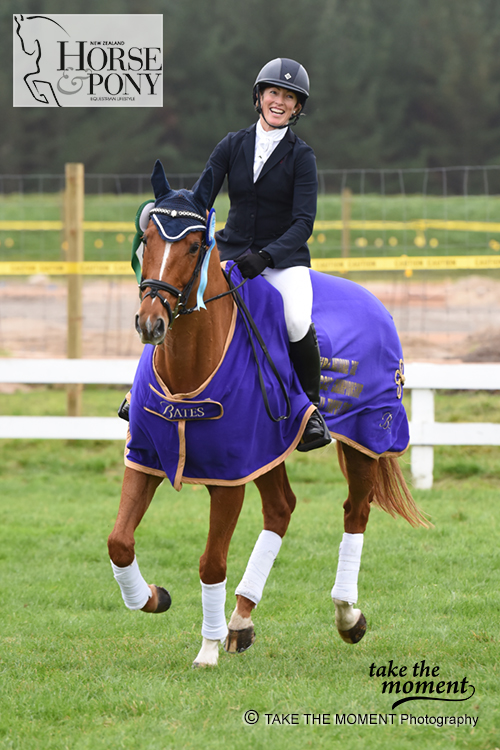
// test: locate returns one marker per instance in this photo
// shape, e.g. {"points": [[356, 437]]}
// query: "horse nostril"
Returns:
{"points": [[159, 329]]}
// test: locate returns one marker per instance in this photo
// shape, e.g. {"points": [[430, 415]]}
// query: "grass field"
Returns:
{"points": [[107, 246], [78, 670]]}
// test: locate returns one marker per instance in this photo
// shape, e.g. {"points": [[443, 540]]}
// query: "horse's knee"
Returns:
{"points": [[120, 551], [361, 473], [212, 570], [356, 516], [277, 517], [278, 500], [289, 496]]}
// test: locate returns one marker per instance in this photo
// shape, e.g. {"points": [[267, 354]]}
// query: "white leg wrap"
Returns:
{"points": [[346, 581], [259, 566], [135, 590], [213, 599]]}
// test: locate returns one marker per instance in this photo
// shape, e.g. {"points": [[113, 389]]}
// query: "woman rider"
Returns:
{"points": [[273, 185]]}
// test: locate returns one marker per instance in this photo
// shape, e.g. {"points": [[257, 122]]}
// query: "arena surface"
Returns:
{"points": [[449, 321]]}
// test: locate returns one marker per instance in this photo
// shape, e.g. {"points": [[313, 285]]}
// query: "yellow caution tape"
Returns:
{"points": [[417, 225], [332, 265], [63, 268], [39, 226], [88, 226], [403, 263]]}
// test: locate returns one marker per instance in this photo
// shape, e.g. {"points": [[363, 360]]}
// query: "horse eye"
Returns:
{"points": [[194, 248]]}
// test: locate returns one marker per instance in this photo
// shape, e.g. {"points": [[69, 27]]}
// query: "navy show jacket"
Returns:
{"points": [[277, 212]]}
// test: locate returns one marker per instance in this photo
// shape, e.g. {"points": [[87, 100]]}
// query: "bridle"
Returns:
{"points": [[156, 285]]}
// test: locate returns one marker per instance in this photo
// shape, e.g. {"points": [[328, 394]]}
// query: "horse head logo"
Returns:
{"points": [[38, 36]]}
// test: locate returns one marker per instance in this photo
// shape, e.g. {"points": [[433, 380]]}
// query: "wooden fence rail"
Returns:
{"points": [[422, 380]]}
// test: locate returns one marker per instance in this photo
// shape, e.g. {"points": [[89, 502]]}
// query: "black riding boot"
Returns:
{"points": [[306, 361], [124, 409]]}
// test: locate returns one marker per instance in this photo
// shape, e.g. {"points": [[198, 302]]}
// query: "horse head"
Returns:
{"points": [[32, 30], [177, 246]]}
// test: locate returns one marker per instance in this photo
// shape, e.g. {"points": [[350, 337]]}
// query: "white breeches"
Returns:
{"points": [[294, 285]]}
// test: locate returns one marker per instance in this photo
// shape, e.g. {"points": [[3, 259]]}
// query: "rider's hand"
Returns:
{"points": [[252, 264]]}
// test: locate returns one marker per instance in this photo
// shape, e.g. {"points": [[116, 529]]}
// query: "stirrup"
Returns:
{"points": [[319, 433]]}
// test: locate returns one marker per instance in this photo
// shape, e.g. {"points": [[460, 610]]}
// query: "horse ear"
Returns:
{"points": [[203, 189], [159, 181]]}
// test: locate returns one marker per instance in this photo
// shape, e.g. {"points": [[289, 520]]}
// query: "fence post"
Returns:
{"points": [[346, 222], [73, 212], [422, 456]]}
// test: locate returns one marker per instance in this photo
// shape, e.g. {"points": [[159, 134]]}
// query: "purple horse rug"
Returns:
{"points": [[222, 435]]}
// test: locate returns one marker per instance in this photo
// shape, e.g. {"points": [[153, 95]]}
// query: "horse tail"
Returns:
{"points": [[390, 491]]}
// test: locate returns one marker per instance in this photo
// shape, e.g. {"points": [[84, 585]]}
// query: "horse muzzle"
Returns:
{"points": [[152, 330]]}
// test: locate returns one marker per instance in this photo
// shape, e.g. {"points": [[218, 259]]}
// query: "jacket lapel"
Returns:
{"points": [[249, 149], [281, 150]]}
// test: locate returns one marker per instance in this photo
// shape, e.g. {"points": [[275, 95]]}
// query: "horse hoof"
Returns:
{"points": [[238, 641], [354, 634], [163, 600], [208, 655]]}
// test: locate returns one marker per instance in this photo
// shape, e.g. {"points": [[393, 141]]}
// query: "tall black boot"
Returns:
{"points": [[124, 409], [306, 361]]}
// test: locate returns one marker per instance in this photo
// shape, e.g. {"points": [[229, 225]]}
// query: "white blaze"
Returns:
{"points": [[166, 253]]}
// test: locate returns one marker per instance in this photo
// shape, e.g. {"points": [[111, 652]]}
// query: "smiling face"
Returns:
{"points": [[278, 106]]}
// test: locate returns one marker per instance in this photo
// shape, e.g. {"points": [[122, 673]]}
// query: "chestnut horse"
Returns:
{"points": [[188, 350]]}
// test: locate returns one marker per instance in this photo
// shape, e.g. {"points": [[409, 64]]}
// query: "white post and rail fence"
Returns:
{"points": [[422, 380]]}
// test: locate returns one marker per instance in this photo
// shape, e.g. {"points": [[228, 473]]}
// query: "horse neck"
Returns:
{"points": [[194, 346]]}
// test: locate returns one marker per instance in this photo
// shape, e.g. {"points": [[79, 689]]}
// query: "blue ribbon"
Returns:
{"points": [[210, 241]]}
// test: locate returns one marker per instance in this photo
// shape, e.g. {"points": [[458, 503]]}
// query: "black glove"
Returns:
{"points": [[252, 264]]}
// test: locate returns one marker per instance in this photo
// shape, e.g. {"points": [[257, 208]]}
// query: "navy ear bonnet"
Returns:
{"points": [[176, 213], [179, 212]]}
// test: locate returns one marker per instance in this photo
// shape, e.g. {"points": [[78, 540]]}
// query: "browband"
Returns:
{"points": [[173, 212]]}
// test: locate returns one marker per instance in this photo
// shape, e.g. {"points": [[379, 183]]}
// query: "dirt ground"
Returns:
{"points": [[450, 321]]}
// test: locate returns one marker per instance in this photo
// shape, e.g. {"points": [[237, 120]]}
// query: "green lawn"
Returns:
{"points": [[107, 246], [78, 670]]}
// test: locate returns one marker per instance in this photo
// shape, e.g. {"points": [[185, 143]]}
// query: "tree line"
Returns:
{"points": [[394, 83]]}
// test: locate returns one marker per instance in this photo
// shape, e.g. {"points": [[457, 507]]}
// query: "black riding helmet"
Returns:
{"points": [[289, 75]]}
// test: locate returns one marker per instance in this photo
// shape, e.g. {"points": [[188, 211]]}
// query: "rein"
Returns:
{"points": [[252, 328]]}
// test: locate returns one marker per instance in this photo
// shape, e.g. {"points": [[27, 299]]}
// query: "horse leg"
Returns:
{"points": [[225, 507], [137, 492], [278, 503], [361, 472]]}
